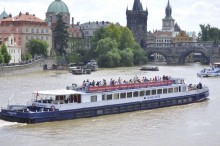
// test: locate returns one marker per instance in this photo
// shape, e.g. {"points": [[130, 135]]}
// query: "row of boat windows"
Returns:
{"points": [[135, 106], [116, 96]]}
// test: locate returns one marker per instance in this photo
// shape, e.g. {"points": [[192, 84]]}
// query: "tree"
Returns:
{"points": [[61, 36], [6, 55], [1, 58], [209, 33], [114, 46], [27, 56], [37, 47]]}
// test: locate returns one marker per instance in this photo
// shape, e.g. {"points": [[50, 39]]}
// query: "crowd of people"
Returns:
{"points": [[87, 83]]}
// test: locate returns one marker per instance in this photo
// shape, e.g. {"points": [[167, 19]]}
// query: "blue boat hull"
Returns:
{"points": [[38, 117]]}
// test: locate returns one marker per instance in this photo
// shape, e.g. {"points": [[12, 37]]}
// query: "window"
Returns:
{"points": [[94, 98], [142, 93], [154, 92], [165, 91], [123, 95], [147, 92], [116, 96], [109, 97], [175, 89], [170, 90], [103, 97], [135, 94], [159, 91], [180, 101], [129, 94]]}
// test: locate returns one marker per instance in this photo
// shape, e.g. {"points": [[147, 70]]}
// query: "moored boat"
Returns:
{"points": [[92, 100], [149, 68], [212, 71]]}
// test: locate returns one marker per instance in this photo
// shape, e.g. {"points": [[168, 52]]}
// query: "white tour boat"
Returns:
{"points": [[92, 100], [212, 71]]}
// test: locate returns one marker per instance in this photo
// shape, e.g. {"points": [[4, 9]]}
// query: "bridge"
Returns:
{"points": [[178, 52]]}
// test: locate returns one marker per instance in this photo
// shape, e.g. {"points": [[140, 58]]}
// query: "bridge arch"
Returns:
{"points": [[202, 51], [149, 53]]}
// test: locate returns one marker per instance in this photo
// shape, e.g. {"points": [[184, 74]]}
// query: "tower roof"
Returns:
{"points": [[168, 10], [3, 15], [137, 6], [58, 6]]}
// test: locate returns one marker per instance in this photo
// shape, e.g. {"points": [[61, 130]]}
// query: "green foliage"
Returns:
{"points": [[114, 46], [1, 58], [37, 47], [27, 56], [61, 36], [6, 55], [208, 33], [127, 57]]}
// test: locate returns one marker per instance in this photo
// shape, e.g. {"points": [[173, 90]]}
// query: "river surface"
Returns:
{"points": [[188, 125]]}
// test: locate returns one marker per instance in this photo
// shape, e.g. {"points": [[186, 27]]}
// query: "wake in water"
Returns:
{"points": [[7, 124]]}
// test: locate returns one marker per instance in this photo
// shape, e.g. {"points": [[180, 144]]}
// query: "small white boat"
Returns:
{"points": [[212, 71], [149, 68]]}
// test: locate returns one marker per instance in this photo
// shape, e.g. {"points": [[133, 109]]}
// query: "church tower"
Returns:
{"points": [[168, 21], [137, 22]]}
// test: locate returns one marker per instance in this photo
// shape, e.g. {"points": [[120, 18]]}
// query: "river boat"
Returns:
{"points": [[90, 101], [212, 71], [149, 68]]}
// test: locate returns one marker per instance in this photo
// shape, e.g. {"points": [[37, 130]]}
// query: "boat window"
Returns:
{"points": [[154, 92], [170, 90], [175, 89], [165, 91], [103, 97], [142, 93], [179, 88], [185, 100], [77, 98], [94, 98], [183, 88], [148, 92], [123, 95], [116, 96], [159, 91], [129, 94], [190, 99], [135, 94], [179, 101], [109, 97]]}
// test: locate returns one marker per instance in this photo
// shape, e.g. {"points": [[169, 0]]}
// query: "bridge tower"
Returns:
{"points": [[137, 22]]}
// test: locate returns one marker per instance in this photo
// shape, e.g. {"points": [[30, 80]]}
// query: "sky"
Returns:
{"points": [[189, 14]]}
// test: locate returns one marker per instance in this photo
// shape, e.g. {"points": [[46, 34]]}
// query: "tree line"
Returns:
{"points": [[209, 33]]}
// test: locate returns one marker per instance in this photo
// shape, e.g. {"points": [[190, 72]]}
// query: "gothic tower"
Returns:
{"points": [[137, 22], [168, 21]]}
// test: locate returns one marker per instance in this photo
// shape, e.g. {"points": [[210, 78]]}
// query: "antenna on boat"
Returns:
{"points": [[10, 98]]}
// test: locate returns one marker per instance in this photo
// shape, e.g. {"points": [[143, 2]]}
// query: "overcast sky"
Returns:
{"points": [[187, 13]]}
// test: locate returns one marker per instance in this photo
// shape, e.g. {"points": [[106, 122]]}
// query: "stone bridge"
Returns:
{"points": [[177, 53]]}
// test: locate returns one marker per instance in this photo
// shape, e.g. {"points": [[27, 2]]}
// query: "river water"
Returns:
{"points": [[188, 125]]}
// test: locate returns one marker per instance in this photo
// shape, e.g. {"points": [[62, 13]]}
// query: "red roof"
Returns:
{"points": [[24, 17]]}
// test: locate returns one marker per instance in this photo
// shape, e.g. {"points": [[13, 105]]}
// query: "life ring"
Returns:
{"points": [[52, 108]]}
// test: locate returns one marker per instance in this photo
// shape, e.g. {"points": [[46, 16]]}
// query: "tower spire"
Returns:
{"points": [[137, 6], [168, 10]]}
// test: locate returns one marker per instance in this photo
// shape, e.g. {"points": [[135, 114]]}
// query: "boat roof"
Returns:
{"points": [[58, 92], [217, 63]]}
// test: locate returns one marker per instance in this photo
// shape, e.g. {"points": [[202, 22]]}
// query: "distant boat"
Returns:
{"points": [[149, 68], [212, 71]]}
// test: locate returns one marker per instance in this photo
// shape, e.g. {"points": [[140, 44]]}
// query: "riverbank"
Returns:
{"points": [[27, 68]]}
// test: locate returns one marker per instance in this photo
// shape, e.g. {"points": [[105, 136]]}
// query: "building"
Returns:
{"points": [[76, 41], [89, 28], [182, 37], [13, 50], [168, 21], [25, 27], [137, 22], [57, 6]]}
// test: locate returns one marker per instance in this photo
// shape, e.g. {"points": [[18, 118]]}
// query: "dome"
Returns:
{"points": [[58, 7], [3, 15]]}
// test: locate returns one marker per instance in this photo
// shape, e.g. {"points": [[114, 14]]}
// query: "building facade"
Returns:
{"points": [[13, 50], [89, 28], [168, 21], [25, 27], [137, 22]]}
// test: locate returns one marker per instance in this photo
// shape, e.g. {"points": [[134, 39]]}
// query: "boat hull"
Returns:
{"points": [[38, 117]]}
